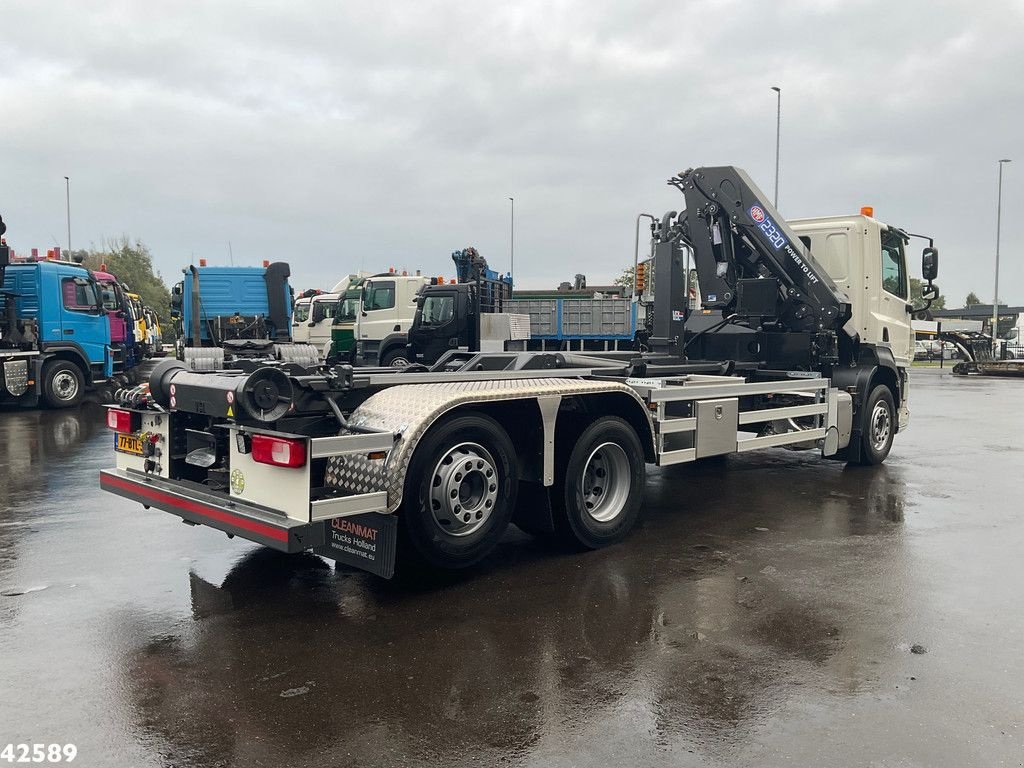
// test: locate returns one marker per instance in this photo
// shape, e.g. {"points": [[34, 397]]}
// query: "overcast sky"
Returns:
{"points": [[344, 135]]}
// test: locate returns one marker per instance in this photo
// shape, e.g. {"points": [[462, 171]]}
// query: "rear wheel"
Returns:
{"points": [[878, 426], [63, 384], [601, 485], [460, 492]]}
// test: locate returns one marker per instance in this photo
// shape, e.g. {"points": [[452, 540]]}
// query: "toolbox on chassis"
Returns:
{"points": [[372, 465]]}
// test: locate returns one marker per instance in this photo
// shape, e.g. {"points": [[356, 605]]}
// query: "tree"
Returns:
{"points": [[916, 286], [972, 299], [132, 264], [625, 279]]}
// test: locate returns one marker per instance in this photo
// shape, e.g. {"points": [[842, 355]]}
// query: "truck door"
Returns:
{"points": [[378, 317], [83, 321], [300, 320], [895, 305], [321, 318], [440, 325]]}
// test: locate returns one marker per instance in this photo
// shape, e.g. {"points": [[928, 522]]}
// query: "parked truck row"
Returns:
{"points": [[65, 330], [805, 344]]}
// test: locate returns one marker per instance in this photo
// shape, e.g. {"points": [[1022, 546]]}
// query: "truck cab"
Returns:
{"points": [[343, 325], [140, 328], [300, 318], [866, 258], [445, 320], [387, 309], [55, 341], [321, 321], [312, 319]]}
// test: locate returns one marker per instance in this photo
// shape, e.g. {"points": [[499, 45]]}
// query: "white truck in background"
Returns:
{"points": [[386, 312]]}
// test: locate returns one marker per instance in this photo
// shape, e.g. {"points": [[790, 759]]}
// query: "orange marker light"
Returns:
{"points": [[867, 210], [202, 262], [266, 263]]}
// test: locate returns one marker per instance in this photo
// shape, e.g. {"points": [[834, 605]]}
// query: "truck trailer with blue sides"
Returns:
{"points": [[227, 312]]}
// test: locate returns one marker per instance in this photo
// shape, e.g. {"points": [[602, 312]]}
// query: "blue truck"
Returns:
{"points": [[54, 333], [223, 313]]}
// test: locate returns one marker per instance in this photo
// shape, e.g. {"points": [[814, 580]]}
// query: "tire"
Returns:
{"points": [[63, 384], [878, 426], [395, 358], [445, 532], [600, 485]]}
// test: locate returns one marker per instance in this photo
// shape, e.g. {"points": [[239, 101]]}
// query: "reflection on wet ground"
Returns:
{"points": [[763, 614]]}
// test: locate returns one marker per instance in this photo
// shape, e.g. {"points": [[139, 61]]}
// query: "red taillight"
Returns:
{"points": [[123, 421], [279, 451]]}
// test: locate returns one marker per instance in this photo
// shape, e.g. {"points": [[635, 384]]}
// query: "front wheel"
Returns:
{"points": [[460, 492], [878, 426], [601, 485], [63, 384], [395, 358]]}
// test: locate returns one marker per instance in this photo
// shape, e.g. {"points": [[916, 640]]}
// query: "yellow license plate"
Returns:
{"points": [[128, 444]]}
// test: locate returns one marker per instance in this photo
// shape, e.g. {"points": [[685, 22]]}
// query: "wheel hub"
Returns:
{"points": [[65, 385], [881, 424], [463, 489], [606, 482]]}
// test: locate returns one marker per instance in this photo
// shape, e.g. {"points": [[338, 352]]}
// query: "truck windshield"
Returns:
{"points": [[437, 310], [109, 298], [379, 296], [347, 309], [301, 313], [323, 310]]}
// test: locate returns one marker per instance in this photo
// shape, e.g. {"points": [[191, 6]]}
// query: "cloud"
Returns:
{"points": [[341, 136]]}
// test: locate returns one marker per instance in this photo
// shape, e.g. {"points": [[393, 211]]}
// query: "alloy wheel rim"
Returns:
{"points": [[65, 385], [463, 489], [606, 482], [881, 424]]}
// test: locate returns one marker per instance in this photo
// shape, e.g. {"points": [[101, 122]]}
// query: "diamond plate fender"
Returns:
{"points": [[409, 410]]}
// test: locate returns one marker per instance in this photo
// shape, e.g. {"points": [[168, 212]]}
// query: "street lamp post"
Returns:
{"points": [[512, 240], [67, 200], [999, 221], [778, 131]]}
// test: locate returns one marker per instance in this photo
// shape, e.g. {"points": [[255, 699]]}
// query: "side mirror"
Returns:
{"points": [[930, 263], [930, 292], [311, 324]]}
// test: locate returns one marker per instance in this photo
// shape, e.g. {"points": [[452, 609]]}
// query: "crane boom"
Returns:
{"points": [[737, 237]]}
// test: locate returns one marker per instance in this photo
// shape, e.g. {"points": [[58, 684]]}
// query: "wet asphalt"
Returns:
{"points": [[773, 609]]}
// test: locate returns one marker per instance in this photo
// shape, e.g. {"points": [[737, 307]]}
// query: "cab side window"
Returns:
{"points": [[379, 296], [79, 295], [893, 279]]}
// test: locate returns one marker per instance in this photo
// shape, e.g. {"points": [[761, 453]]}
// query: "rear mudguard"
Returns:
{"points": [[410, 410]]}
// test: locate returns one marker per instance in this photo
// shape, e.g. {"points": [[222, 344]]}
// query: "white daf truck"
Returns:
{"points": [[373, 466], [386, 311]]}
